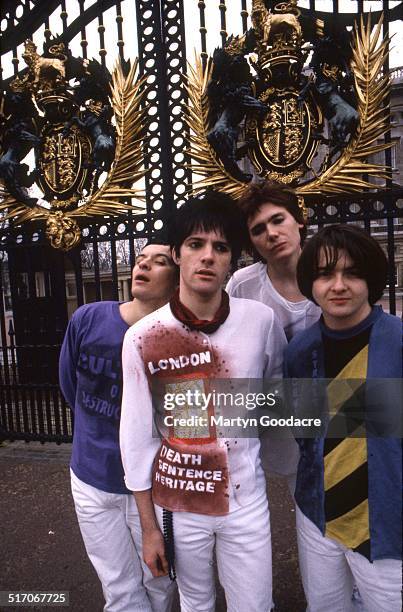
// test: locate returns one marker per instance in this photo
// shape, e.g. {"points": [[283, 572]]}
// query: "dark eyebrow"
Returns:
{"points": [[194, 237], [277, 214], [353, 268], [329, 267], [273, 216], [197, 237]]}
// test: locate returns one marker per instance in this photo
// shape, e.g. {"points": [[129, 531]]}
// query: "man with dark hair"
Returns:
{"points": [[258, 194], [214, 487], [277, 229], [368, 257], [91, 382], [349, 485], [211, 211]]}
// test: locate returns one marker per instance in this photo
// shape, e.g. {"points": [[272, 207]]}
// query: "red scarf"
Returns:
{"points": [[186, 316]]}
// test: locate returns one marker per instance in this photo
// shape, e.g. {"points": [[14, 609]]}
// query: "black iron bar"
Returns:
{"points": [[119, 21], [101, 32], [244, 15], [97, 277], [114, 266], [49, 410], [83, 42], [203, 32], [223, 31], [63, 16]]}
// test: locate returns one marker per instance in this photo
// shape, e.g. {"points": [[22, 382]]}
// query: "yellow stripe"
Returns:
{"points": [[357, 366], [339, 392], [344, 459], [351, 529]]}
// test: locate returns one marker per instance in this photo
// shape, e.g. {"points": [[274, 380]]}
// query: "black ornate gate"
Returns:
{"points": [[39, 286]]}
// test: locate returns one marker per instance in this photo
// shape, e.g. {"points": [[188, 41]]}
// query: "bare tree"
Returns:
{"points": [[105, 255], [122, 252]]}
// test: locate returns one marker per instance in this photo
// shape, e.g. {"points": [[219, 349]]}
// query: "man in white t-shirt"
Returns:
{"points": [[214, 486], [277, 229]]}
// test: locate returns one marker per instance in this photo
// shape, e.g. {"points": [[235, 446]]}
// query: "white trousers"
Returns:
{"points": [[329, 569], [110, 527], [242, 541]]}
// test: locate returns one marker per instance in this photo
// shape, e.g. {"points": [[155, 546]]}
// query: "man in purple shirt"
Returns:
{"points": [[91, 382]]}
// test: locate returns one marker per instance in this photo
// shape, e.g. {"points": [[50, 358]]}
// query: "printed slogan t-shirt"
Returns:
{"points": [[90, 375], [160, 353]]}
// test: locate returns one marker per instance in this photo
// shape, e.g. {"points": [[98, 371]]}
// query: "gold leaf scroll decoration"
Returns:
{"points": [[17, 212], [372, 87], [127, 168], [197, 118]]}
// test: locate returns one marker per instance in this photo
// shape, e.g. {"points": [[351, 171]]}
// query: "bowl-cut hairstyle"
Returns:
{"points": [[366, 253]]}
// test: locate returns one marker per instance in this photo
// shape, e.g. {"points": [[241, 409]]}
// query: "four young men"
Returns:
{"points": [[348, 488]]}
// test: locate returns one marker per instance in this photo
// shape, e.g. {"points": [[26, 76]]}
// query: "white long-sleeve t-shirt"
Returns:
{"points": [[279, 456], [254, 283], [248, 345]]}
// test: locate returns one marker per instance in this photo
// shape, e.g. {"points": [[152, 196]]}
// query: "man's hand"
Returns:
{"points": [[154, 552], [153, 542]]}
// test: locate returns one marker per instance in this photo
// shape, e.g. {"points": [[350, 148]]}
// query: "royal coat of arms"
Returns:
{"points": [[85, 126], [293, 100]]}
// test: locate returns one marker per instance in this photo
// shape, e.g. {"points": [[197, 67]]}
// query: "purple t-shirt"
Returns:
{"points": [[90, 374]]}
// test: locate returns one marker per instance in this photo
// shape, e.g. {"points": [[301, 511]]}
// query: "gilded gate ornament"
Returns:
{"points": [[259, 109], [85, 126]]}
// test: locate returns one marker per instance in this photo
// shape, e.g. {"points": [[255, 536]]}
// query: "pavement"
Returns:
{"points": [[42, 549]]}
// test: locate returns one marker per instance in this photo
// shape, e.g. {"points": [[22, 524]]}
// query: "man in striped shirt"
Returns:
{"points": [[349, 485]]}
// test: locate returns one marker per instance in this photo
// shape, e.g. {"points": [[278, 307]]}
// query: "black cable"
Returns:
{"points": [[168, 528]]}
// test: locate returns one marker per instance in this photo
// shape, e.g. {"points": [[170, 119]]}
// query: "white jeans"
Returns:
{"points": [[111, 531], [242, 542], [328, 570]]}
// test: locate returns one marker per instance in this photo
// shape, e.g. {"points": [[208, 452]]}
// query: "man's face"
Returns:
{"points": [[204, 261], [341, 293], [153, 276], [274, 233]]}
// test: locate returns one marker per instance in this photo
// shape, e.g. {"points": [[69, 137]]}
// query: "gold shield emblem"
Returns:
{"points": [[284, 146], [62, 160]]}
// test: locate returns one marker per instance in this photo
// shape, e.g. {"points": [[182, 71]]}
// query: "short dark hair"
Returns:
{"points": [[160, 240], [365, 251], [264, 192], [156, 239], [209, 211]]}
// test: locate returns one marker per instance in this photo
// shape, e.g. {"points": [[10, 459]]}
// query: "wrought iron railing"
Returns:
{"points": [[31, 406]]}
